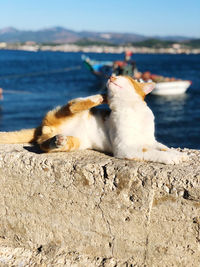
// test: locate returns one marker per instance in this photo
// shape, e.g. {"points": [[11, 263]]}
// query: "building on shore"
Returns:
{"points": [[176, 48]]}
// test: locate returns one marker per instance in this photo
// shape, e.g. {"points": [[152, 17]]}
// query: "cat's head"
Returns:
{"points": [[119, 86]]}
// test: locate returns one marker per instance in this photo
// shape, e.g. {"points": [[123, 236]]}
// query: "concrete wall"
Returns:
{"points": [[89, 209]]}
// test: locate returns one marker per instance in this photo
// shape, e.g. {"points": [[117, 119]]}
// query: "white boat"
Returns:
{"points": [[171, 88]]}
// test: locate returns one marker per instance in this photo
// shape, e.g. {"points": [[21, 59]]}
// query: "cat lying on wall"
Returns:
{"points": [[127, 131]]}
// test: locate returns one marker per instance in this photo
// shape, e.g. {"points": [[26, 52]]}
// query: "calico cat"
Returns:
{"points": [[126, 132]]}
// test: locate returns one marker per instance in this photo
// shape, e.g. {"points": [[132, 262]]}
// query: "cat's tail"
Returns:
{"points": [[18, 137]]}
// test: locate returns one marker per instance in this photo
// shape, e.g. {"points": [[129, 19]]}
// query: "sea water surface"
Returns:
{"points": [[35, 82]]}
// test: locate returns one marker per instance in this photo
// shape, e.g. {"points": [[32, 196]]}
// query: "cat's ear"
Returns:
{"points": [[147, 87]]}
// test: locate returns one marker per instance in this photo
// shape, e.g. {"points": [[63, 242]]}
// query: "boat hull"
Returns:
{"points": [[171, 88]]}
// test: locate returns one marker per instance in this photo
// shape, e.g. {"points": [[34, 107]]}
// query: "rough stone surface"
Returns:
{"points": [[89, 209]]}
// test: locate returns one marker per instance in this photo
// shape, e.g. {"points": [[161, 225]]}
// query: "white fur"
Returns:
{"points": [[131, 126]]}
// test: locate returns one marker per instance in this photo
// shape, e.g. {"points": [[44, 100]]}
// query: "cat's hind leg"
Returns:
{"points": [[61, 143], [181, 155], [154, 155], [166, 157], [161, 147]]}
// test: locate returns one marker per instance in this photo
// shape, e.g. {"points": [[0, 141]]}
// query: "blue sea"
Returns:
{"points": [[35, 82]]}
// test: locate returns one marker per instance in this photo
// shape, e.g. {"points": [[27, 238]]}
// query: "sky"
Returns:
{"points": [[146, 17]]}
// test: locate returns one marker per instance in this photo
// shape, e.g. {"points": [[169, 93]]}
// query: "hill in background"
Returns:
{"points": [[62, 35]]}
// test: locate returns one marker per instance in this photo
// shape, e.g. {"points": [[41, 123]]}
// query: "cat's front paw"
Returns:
{"points": [[97, 99]]}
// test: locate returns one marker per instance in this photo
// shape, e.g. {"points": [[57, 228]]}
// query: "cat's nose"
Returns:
{"points": [[112, 78]]}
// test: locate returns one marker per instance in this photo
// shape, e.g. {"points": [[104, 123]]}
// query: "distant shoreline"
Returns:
{"points": [[34, 47]]}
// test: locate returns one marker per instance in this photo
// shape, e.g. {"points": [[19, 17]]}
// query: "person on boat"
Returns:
{"points": [[131, 64], [127, 56], [126, 67], [118, 67]]}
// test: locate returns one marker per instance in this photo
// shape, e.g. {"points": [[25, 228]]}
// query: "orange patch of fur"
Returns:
{"points": [[55, 117], [82, 105], [137, 86], [73, 143], [144, 150]]}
